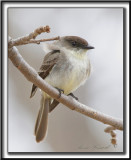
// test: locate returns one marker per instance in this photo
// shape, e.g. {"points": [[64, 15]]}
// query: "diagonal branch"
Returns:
{"points": [[33, 77]]}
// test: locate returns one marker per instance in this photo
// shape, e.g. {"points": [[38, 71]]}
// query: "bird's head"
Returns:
{"points": [[74, 43]]}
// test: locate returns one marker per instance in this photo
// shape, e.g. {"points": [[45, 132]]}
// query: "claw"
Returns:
{"points": [[60, 91], [72, 95]]}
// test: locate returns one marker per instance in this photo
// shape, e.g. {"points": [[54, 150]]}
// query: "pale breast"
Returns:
{"points": [[69, 73]]}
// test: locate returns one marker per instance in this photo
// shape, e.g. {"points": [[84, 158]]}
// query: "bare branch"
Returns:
{"points": [[33, 41], [33, 77], [33, 35]]}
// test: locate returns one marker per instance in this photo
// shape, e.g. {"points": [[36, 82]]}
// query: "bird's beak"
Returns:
{"points": [[89, 47]]}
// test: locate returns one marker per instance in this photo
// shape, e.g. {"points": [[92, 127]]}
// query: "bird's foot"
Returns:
{"points": [[72, 95], [60, 91]]}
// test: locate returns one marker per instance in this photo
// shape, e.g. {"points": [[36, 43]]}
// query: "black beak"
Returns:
{"points": [[89, 47]]}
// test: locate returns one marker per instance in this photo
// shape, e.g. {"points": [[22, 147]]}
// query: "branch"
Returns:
{"points": [[32, 76], [21, 42], [110, 129], [30, 38]]}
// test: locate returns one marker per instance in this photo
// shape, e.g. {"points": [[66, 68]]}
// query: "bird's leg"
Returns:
{"points": [[72, 95], [60, 91]]}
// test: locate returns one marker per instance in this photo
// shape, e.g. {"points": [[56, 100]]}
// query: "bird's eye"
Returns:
{"points": [[73, 43]]}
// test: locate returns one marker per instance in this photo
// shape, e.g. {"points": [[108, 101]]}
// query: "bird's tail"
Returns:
{"points": [[42, 119]]}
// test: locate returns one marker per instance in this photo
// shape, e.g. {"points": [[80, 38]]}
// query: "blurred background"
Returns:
{"points": [[68, 131]]}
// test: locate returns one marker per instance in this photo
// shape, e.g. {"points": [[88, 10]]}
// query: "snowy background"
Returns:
{"points": [[68, 131]]}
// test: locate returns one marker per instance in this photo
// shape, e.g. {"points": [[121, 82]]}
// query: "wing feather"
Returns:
{"points": [[48, 63]]}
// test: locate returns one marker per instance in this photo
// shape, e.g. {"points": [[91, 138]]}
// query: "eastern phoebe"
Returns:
{"points": [[65, 67]]}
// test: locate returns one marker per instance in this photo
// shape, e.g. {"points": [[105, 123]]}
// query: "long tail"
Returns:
{"points": [[42, 119]]}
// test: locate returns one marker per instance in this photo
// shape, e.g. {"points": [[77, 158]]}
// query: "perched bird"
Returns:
{"points": [[66, 67]]}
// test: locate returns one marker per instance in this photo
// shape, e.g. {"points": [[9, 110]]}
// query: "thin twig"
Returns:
{"points": [[33, 35], [35, 41]]}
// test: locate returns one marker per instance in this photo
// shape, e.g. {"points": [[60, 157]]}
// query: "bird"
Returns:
{"points": [[65, 67]]}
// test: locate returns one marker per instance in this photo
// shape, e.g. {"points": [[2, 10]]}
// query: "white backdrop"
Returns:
{"points": [[68, 131]]}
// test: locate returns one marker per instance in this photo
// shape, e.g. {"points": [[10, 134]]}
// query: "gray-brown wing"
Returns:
{"points": [[53, 105], [48, 63]]}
